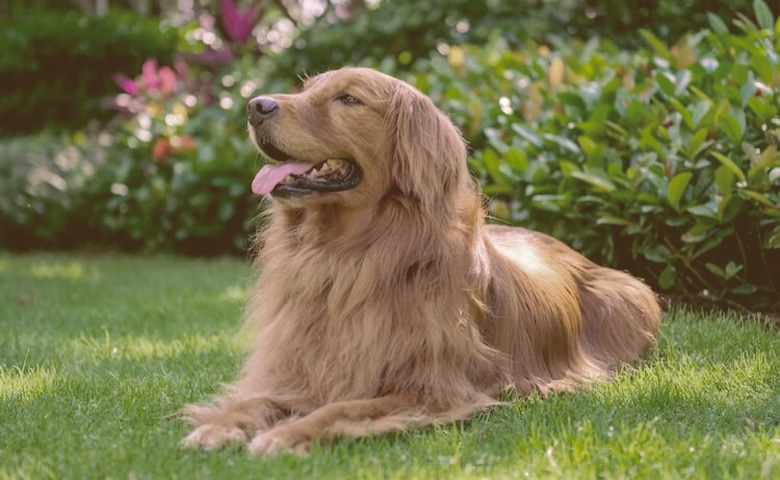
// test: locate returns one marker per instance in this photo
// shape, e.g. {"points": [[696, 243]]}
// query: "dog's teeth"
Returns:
{"points": [[288, 178], [326, 167]]}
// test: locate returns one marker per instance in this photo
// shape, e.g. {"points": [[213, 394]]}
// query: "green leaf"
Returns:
{"points": [[697, 233], [773, 241], [657, 44], [763, 162], [744, 289], [762, 67], [527, 134], [568, 167], [612, 220], [499, 189], [617, 130], [564, 142], [697, 141], [731, 128], [226, 211], [733, 269], [598, 181], [516, 159], [728, 163], [703, 211], [682, 81], [237, 190], [657, 253], [206, 152], [539, 176], [574, 100], [594, 152], [724, 179], [759, 107], [729, 207], [740, 73], [715, 269], [495, 139], [492, 164], [668, 276], [757, 197], [700, 111], [551, 203], [686, 115], [716, 24], [666, 85], [649, 142], [763, 15], [587, 144], [677, 186]]}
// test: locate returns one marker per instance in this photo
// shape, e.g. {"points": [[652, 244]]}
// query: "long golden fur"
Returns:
{"points": [[392, 304]]}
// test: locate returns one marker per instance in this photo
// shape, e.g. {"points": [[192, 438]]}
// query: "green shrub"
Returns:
{"points": [[395, 33], [40, 178], [56, 68], [663, 162], [668, 19]]}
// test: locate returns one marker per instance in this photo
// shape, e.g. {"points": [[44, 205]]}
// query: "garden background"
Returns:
{"points": [[643, 133]]}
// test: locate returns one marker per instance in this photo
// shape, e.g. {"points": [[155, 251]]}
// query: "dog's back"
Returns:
{"points": [[561, 319]]}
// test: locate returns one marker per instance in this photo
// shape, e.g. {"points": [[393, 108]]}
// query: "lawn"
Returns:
{"points": [[97, 351]]}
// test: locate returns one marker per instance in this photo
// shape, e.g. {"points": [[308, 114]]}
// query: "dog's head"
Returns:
{"points": [[351, 137]]}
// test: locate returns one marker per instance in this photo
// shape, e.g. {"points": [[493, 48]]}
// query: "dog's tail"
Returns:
{"points": [[621, 317]]}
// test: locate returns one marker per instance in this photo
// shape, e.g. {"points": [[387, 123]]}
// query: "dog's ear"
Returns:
{"points": [[428, 154]]}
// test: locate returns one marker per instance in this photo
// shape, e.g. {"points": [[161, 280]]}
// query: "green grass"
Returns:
{"points": [[96, 352]]}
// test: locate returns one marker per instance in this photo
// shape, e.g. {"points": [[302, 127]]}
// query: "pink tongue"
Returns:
{"points": [[271, 175]]}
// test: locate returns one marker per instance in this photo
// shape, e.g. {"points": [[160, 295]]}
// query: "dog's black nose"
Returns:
{"points": [[260, 109]]}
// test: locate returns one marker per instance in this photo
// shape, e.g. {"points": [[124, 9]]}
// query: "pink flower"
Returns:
{"points": [[167, 79], [126, 83], [239, 24], [149, 74], [153, 80]]}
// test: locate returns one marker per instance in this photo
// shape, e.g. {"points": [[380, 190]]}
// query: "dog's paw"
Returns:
{"points": [[211, 436], [279, 440]]}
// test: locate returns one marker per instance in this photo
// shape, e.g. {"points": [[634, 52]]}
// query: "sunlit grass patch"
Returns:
{"points": [[70, 270], [23, 384], [97, 354]]}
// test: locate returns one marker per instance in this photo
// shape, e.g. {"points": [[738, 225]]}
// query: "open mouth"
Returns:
{"points": [[292, 177]]}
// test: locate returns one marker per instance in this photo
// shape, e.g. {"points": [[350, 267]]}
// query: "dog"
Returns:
{"points": [[384, 300]]}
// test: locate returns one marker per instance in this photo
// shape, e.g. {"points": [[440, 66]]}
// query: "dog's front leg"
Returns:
{"points": [[355, 418], [231, 421]]}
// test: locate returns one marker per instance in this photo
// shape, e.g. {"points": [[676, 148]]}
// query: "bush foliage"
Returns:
{"points": [[662, 160], [395, 33], [56, 68], [174, 175]]}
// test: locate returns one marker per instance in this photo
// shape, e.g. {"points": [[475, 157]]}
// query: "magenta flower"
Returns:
{"points": [[239, 23], [126, 83]]}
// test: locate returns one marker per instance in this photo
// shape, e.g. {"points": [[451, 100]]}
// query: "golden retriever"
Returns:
{"points": [[384, 301]]}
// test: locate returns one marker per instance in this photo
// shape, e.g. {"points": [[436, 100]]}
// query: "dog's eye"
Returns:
{"points": [[348, 99]]}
